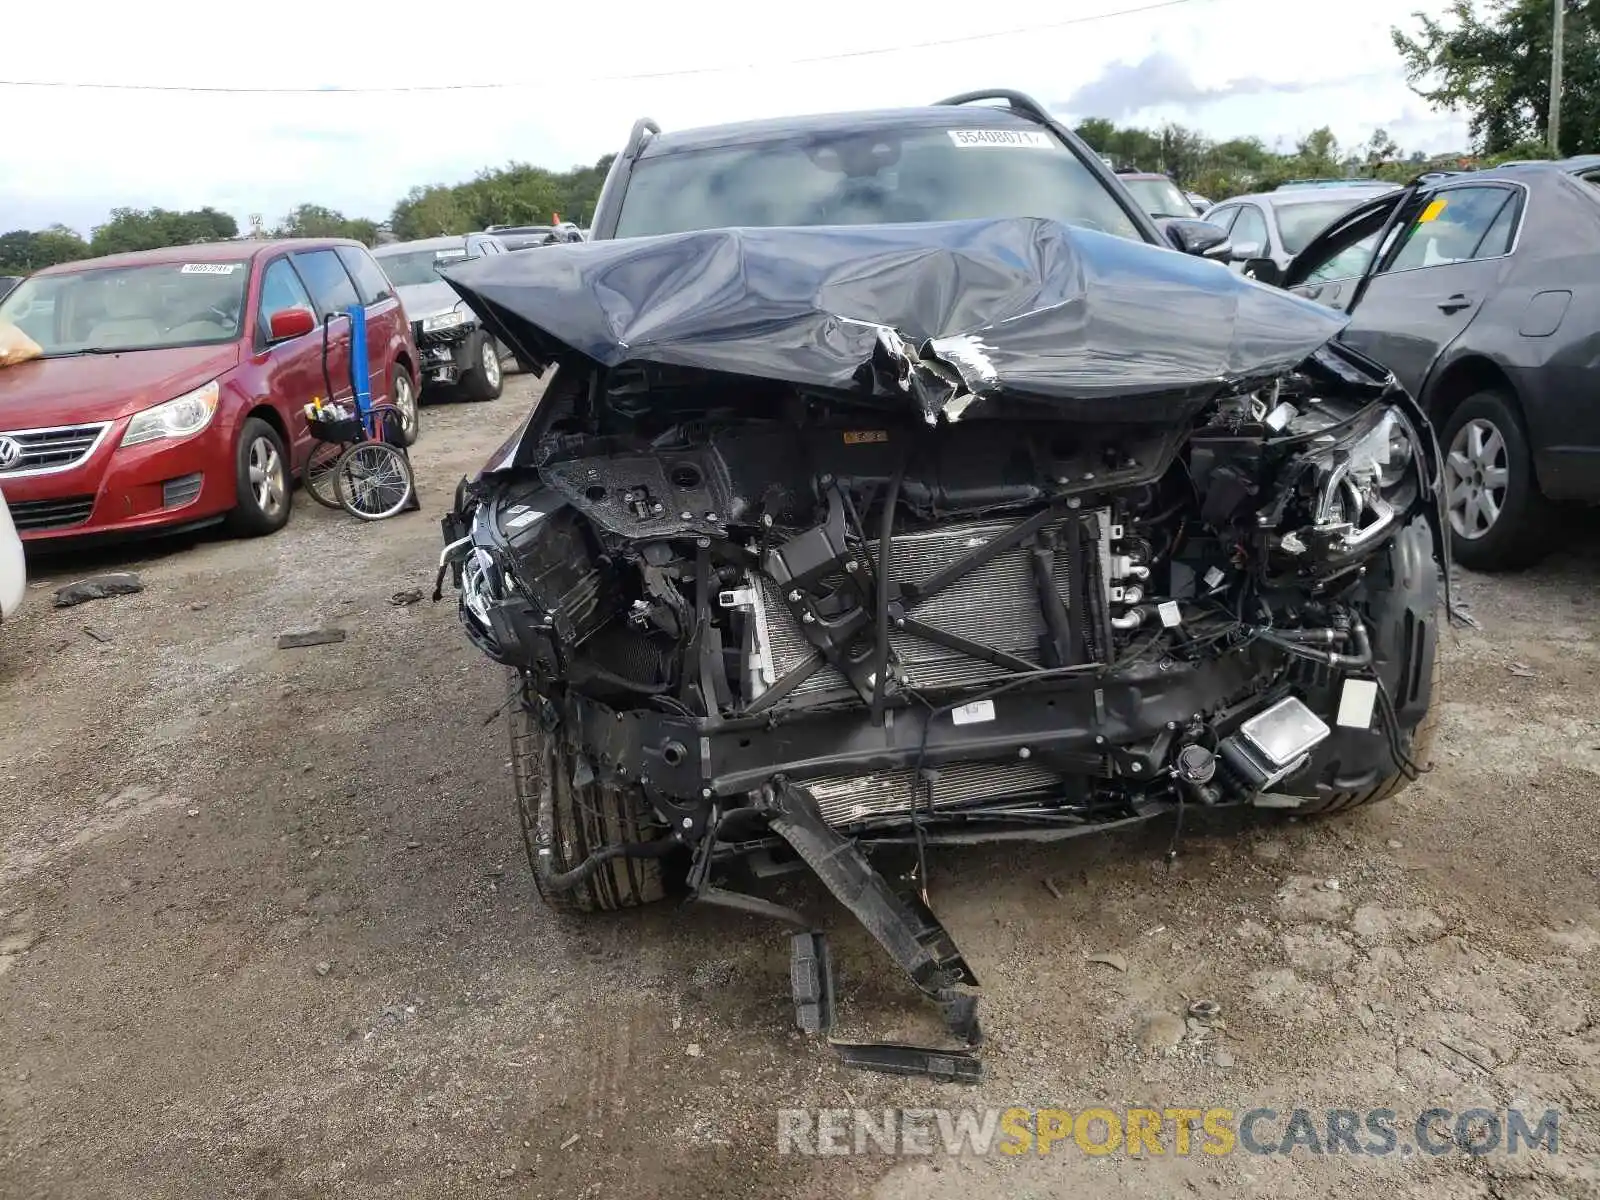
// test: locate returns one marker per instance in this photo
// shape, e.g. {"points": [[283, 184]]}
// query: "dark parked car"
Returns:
{"points": [[7, 282], [455, 347], [1268, 229], [1485, 303], [898, 485]]}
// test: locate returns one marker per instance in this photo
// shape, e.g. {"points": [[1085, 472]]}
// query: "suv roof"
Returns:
{"points": [[969, 109], [203, 252], [866, 120]]}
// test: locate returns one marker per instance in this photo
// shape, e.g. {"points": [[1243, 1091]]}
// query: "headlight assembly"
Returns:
{"points": [[442, 321], [176, 418]]}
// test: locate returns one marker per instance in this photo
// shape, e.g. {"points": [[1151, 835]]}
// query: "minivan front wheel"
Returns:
{"points": [[261, 470], [404, 397]]}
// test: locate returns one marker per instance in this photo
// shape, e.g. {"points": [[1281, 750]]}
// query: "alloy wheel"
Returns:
{"points": [[491, 363], [405, 400], [1477, 474], [268, 480]]}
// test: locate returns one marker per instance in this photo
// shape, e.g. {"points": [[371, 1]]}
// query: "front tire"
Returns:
{"points": [[261, 481], [1499, 520], [572, 820], [403, 395], [1399, 602], [485, 380]]}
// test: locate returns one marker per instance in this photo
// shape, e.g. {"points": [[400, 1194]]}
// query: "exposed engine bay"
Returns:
{"points": [[795, 621]]}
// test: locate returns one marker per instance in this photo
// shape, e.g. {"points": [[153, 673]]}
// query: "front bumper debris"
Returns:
{"points": [[446, 353]]}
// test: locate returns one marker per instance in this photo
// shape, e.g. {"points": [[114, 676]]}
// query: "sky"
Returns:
{"points": [[1275, 69]]}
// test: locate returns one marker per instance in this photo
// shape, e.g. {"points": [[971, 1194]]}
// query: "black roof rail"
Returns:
{"points": [[642, 129], [1018, 101]]}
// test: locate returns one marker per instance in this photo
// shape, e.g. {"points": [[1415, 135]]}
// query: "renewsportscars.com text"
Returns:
{"points": [[1178, 1132]]}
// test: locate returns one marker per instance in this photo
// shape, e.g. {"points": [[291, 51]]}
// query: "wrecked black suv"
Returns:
{"points": [[900, 482]]}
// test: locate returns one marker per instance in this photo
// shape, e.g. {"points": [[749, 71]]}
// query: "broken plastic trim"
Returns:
{"points": [[902, 925]]}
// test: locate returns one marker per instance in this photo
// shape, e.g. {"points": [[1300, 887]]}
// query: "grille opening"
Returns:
{"points": [[35, 451], [29, 515], [182, 490]]}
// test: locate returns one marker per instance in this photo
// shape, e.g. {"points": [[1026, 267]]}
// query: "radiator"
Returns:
{"points": [[845, 799], [997, 605]]}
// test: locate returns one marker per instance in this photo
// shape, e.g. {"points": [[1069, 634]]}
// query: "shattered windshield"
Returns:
{"points": [[1160, 197], [130, 308], [874, 178], [419, 266]]}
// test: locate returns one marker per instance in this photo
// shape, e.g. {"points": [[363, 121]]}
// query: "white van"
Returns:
{"points": [[13, 571]]}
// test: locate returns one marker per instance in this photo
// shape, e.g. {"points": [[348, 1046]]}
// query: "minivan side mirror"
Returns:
{"points": [[1244, 251], [1193, 236], [289, 323]]}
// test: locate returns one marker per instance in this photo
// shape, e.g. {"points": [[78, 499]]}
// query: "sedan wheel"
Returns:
{"points": [[1499, 520], [1477, 474]]}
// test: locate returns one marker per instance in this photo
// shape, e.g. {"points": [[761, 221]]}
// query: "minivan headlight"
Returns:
{"points": [[179, 417]]}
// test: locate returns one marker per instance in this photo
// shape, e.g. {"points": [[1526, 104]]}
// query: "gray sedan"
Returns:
{"points": [[1481, 292]]}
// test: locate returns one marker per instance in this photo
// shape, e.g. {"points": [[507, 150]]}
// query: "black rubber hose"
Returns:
{"points": [[565, 881], [880, 659]]}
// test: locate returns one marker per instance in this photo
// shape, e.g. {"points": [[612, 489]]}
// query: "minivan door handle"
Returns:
{"points": [[1455, 303]]}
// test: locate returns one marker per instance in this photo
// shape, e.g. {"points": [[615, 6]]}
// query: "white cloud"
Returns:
{"points": [[1228, 67]]}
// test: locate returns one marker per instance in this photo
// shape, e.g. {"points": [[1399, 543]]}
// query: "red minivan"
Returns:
{"points": [[172, 383]]}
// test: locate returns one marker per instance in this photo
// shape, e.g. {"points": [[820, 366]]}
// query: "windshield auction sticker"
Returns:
{"points": [[208, 268], [1027, 139]]}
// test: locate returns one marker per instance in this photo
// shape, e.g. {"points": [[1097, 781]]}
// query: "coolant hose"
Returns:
{"points": [[565, 881]]}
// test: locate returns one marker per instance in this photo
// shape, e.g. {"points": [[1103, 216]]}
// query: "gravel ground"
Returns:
{"points": [[266, 930]]}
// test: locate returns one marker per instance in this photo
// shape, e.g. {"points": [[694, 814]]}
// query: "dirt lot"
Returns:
{"points": [[268, 932]]}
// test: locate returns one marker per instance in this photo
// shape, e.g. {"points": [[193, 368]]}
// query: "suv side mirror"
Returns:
{"points": [[1244, 251], [1193, 236], [289, 323]]}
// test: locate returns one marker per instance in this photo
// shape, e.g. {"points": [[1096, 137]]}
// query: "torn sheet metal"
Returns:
{"points": [[989, 316]]}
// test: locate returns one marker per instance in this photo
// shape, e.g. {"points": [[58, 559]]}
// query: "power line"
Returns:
{"points": [[93, 85]]}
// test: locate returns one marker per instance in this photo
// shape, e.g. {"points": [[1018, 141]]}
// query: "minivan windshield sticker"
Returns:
{"points": [[208, 268], [1027, 139]]}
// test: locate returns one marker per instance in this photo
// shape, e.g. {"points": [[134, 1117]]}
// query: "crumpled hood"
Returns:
{"points": [[82, 388], [957, 317], [426, 299]]}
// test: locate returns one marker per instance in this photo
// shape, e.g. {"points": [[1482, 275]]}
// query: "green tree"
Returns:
{"points": [[313, 220], [1497, 67], [1380, 148], [515, 194], [1318, 153], [152, 228], [24, 250]]}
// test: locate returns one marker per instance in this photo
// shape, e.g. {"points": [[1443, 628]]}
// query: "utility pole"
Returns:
{"points": [[1555, 78]]}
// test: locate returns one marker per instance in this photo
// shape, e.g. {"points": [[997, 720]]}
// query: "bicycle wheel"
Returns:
{"points": [[319, 473], [374, 480]]}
